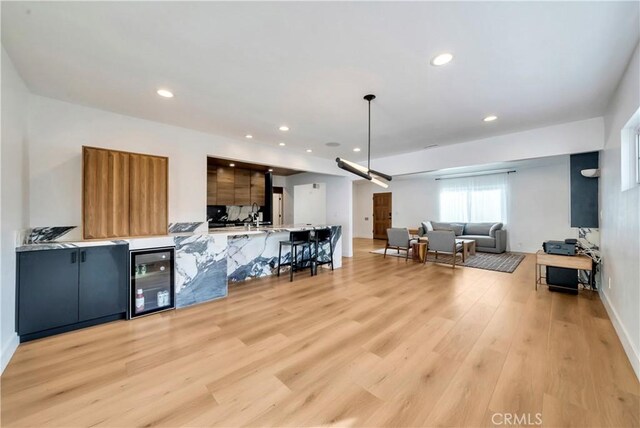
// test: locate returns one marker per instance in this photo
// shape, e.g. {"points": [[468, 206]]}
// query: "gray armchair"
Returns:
{"points": [[444, 241], [398, 239]]}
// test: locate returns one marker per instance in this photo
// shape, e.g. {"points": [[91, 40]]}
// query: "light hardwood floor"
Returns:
{"points": [[380, 342]]}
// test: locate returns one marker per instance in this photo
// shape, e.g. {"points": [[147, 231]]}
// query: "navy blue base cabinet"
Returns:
{"points": [[65, 289]]}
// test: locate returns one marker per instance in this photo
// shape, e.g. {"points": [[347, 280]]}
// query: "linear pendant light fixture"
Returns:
{"points": [[366, 173]]}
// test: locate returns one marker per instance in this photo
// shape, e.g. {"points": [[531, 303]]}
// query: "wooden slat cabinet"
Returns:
{"points": [[212, 188], [257, 188], [148, 195], [105, 193], [225, 180], [242, 185], [124, 194]]}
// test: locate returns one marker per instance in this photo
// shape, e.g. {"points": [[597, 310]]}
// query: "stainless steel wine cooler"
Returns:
{"points": [[152, 281]]}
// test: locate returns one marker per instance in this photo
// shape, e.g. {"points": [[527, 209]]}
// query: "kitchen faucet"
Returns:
{"points": [[254, 213]]}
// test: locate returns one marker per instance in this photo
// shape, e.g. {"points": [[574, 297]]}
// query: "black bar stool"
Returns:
{"points": [[322, 237], [297, 239]]}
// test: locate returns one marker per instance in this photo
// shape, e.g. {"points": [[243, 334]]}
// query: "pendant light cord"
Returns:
{"points": [[369, 139]]}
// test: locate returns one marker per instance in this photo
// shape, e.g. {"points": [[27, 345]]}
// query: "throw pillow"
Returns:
{"points": [[427, 226], [457, 228], [492, 231]]}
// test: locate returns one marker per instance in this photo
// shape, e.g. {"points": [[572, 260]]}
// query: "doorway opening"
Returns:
{"points": [[278, 206]]}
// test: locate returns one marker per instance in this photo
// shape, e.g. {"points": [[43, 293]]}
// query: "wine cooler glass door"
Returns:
{"points": [[152, 281]]}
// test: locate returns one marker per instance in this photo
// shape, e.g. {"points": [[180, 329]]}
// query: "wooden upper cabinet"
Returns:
{"points": [[124, 194], [148, 195], [257, 188], [242, 183], [234, 186], [225, 179], [212, 187], [105, 193]]}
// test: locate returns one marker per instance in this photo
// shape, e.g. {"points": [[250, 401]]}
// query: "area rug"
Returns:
{"points": [[505, 262]]}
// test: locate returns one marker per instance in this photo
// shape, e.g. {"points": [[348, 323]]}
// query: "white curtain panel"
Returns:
{"points": [[481, 198]]}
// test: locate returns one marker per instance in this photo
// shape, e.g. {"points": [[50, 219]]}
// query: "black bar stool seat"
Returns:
{"points": [[299, 239]]}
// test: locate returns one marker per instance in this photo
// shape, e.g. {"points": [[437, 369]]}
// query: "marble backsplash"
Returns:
{"points": [[46, 234], [184, 227]]}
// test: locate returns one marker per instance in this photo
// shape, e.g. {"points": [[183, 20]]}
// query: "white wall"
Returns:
{"points": [[620, 220], [339, 202], [310, 203], [539, 204], [412, 201], [58, 130], [13, 197]]}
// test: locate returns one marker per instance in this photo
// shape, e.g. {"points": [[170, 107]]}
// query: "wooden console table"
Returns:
{"points": [[580, 262]]}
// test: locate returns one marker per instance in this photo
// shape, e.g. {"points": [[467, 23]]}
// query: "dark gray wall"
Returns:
{"points": [[584, 191]]}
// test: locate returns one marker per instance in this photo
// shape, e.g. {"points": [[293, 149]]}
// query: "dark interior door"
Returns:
{"points": [[48, 290], [103, 281], [381, 214]]}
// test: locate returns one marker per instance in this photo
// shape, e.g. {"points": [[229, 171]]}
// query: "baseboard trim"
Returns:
{"points": [[8, 350], [632, 353]]}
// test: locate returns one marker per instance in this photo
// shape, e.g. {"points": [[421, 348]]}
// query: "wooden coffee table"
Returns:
{"points": [[468, 248]]}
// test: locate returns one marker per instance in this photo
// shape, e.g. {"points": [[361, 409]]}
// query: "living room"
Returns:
{"points": [[536, 194], [125, 125]]}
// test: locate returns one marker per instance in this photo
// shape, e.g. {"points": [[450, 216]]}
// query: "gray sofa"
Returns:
{"points": [[489, 237]]}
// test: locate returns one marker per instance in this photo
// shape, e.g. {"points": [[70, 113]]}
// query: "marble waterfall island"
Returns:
{"points": [[256, 255]]}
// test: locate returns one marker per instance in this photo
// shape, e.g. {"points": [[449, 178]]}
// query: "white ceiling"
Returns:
{"points": [[245, 67], [484, 168]]}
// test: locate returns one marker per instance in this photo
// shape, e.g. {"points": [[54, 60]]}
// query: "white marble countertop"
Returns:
{"points": [[165, 240]]}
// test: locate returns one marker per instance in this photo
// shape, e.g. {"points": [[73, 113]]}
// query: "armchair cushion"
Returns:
{"points": [[398, 237], [442, 240]]}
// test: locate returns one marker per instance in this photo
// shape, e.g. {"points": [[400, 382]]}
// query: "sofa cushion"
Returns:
{"points": [[458, 228], [481, 240], [441, 226], [478, 228], [492, 231]]}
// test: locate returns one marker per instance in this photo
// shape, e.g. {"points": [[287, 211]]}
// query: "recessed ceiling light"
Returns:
{"points": [[165, 93], [357, 149], [284, 128], [249, 136], [232, 164], [442, 59], [270, 169], [490, 118], [281, 144], [309, 150]]}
